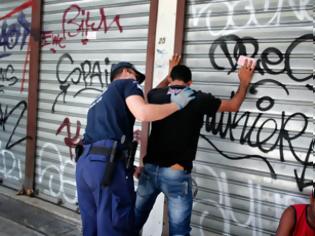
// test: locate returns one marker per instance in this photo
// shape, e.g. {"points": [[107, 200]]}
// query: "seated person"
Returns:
{"points": [[298, 219]]}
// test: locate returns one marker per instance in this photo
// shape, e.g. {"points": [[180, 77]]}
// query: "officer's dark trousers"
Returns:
{"points": [[105, 211]]}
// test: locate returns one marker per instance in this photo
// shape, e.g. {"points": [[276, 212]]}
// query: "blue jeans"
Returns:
{"points": [[177, 187]]}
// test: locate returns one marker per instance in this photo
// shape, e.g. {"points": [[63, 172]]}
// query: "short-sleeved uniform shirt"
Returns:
{"points": [[108, 116], [175, 138]]}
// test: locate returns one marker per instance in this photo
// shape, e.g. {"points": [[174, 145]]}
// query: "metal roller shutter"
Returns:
{"points": [[15, 24], [80, 41], [236, 193]]}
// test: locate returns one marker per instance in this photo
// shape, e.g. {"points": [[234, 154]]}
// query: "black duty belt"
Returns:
{"points": [[110, 155], [100, 151], [105, 152]]}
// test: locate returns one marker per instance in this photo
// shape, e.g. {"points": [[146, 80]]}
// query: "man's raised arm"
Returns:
{"points": [[245, 75]]}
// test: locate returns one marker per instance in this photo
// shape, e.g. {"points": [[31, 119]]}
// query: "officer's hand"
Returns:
{"points": [[137, 171], [137, 135], [183, 98]]}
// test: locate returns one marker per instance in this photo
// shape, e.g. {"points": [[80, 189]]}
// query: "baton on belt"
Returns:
{"points": [[110, 166]]}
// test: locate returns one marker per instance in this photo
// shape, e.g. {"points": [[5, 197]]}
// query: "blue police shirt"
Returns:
{"points": [[108, 116]]}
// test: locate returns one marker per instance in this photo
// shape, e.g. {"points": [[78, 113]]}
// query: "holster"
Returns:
{"points": [[132, 148], [110, 166], [78, 151], [127, 154]]}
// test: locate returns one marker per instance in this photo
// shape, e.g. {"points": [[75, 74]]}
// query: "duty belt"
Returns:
{"points": [[121, 155], [111, 155]]}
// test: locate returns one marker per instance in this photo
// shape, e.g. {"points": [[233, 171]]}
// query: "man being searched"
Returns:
{"points": [[172, 147], [104, 170]]}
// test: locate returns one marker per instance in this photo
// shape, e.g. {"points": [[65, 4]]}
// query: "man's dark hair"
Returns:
{"points": [[181, 72]]}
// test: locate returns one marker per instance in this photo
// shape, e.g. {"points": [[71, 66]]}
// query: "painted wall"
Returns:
{"points": [[252, 164], [80, 41], [15, 22]]}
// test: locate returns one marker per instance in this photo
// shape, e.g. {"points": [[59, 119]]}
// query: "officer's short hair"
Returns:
{"points": [[116, 73], [181, 72]]}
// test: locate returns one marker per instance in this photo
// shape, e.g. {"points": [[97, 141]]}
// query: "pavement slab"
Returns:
{"points": [[20, 218]]}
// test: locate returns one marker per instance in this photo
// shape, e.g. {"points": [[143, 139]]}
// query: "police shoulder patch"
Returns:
{"points": [[139, 87]]}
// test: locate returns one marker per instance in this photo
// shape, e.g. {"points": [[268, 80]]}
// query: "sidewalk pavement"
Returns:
{"points": [[22, 215]]}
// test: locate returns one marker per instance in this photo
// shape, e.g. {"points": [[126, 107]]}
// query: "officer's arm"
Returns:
{"points": [[287, 223], [245, 75], [149, 112]]}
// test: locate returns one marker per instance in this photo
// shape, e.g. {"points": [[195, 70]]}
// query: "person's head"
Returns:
{"points": [[181, 73], [125, 69]]}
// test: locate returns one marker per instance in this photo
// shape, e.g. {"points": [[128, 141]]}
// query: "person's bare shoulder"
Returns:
{"points": [[287, 222]]}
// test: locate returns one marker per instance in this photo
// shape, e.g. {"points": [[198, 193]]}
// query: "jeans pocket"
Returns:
{"points": [[177, 189], [122, 214], [145, 185]]}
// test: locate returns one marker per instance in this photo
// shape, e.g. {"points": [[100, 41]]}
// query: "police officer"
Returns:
{"points": [[104, 182]]}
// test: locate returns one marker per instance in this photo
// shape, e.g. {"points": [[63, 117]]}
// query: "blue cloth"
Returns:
{"points": [[108, 116], [105, 211], [177, 187]]}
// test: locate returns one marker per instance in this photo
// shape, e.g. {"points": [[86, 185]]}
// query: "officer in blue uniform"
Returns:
{"points": [[104, 182]]}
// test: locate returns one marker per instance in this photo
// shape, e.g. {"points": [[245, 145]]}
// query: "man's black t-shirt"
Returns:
{"points": [[175, 138]]}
